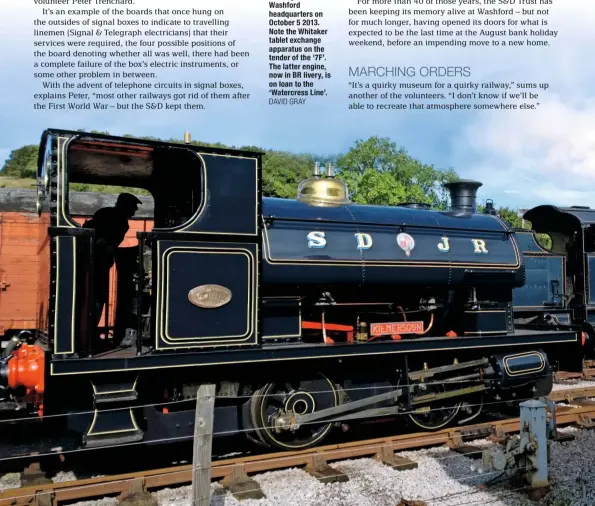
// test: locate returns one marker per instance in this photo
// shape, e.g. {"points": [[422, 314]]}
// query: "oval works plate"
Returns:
{"points": [[209, 296]]}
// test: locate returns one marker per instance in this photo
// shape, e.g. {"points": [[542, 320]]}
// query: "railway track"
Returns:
{"points": [[234, 471]]}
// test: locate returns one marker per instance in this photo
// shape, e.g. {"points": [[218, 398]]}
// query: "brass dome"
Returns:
{"points": [[323, 191]]}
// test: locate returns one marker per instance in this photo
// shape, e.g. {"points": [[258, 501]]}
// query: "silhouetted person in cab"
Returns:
{"points": [[111, 226]]}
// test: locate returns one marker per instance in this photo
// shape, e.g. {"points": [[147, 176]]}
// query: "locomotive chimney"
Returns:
{"points": [[463, 195], [187, 137]]}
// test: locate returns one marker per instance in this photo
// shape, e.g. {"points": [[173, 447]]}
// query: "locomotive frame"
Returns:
{"points": [[202, 312]]}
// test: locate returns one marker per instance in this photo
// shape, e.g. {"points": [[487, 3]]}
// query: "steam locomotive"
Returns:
{"points": [[305, 313]]}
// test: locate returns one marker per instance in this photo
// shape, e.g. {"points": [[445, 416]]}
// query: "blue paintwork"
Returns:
{"points": [[232, 209], [186, 265], [287, 242], [380, 215], [527, 242], [280, 318], [544, 276], [544, 283], [289, 260]]}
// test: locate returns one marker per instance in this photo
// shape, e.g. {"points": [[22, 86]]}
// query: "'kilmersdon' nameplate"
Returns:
{"points": [[209, 296]]}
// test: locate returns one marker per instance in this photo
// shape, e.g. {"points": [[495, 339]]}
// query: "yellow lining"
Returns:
{"points": [[167, 254], [200, 210], [320, 436], [384, 263], [480, 332], [399, 352], [133, 389], [160, 322], [64, 142], [56, 305], [535, 369], [103, 433]]}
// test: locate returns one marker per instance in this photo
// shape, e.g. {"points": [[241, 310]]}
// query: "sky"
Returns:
{"points": [[523, 158]]}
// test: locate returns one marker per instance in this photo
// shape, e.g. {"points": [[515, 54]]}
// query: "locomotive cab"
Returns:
{"points": [[175, 176], [560, 287]]}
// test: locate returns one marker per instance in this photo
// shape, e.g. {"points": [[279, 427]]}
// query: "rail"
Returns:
{"points": [[132, 483]]}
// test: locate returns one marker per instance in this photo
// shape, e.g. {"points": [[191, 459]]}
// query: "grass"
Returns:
{"points": [[15, 182], [31, 184]]}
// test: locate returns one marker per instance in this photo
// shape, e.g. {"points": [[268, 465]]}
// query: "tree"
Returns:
{"points": [[511, 216], [22, 162], [377, 171], [283, 172]]}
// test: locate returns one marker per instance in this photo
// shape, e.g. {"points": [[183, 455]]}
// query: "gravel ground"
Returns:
{"points": [[439, 473], [13, 480], [443, 478], [10, 480]]}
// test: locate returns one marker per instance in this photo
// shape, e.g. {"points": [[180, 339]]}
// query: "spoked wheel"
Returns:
{"points": [[273, 406], [435, 415]]}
